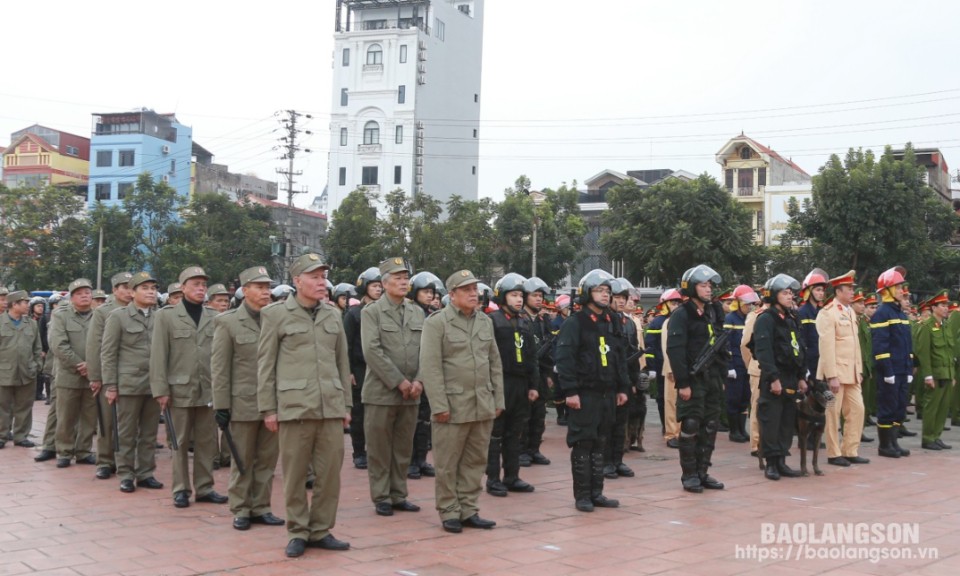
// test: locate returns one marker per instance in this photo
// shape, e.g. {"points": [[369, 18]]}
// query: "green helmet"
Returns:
{"points": [[591, 280], [696, 275]]}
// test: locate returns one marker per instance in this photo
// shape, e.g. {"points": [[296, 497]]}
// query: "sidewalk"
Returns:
{"points": [[66, 522]]}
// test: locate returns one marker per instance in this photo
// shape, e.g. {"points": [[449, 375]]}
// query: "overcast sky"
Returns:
{"points": [[570, 88]]}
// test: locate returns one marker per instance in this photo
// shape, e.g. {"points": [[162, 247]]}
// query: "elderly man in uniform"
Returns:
{"points": [[463, 377], [3, 299], [304, 393], [76, 403], [125, 361], [841, 366], [20, 357], [122, 296], [233, 370], [390, 333], [180, 380], [218, 298], [174, 295]]}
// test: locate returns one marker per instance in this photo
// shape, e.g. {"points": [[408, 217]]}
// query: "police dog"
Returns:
{"points": [[811, 421]]}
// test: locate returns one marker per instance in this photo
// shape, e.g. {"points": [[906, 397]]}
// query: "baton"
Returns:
{"points": [[171, 431], [233, 449], [100, 423], [116, 428]]}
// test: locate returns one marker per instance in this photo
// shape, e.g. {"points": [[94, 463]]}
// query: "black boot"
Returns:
{"points": [[704, 452], [561, 414], [771, 472], [895, 435], [784, 470], [902, 432], [886, 447], [596, 482], [689, 476], [580, 468], [493, 462]]}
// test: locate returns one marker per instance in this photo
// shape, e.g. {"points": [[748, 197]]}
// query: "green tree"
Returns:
{"points": [[43, 243], [869, 214], [662, 231], [154, 212], [469, 237], [353, 243], [119, 243]]}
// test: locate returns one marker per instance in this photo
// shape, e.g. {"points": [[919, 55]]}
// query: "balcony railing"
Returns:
{"points": [[368, 148], [744, 191], [402, 24]]}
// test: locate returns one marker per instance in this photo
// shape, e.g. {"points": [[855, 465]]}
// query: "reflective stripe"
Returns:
{"points": [[710, 329], [518, 344], [880, 324], [649, 355], [654, 331], [882, 356], [794, 343], [808, 321], [732, 327], [603, 351]]}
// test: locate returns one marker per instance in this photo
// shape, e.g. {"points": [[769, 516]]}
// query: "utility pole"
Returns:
{"points": [[288, 143]]}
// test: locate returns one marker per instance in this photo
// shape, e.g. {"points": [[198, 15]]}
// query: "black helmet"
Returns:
{"points": [[484, 291], [422, 280], [509, 283], [369, 276], [696, 275], [778, 283], [591, 280], [344, 289], [621, 287]]}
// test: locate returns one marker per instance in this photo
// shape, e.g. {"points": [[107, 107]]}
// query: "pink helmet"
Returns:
{"points": [[745, 294], [671, 294], [892, 277], [563, 301]]}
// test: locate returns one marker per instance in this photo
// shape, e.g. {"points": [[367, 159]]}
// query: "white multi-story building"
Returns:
{"points": [[406, 98]]}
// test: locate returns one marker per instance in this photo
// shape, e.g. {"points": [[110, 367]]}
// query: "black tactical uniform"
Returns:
{"points": [[532, 438], [628, 343], [419, 466], [358, 366]]}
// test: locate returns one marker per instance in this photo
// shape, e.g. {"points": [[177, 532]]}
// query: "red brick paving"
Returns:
{"points": [[65, 522]]}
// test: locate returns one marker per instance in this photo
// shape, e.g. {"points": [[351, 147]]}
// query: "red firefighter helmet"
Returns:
{"points": [[746, 294], [892, 277], [671, 294]]}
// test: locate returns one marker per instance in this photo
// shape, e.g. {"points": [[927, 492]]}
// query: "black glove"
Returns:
{"points": [[223, 418]]}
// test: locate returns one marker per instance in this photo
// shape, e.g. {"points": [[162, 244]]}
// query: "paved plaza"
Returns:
{"points": [[66, 522]]}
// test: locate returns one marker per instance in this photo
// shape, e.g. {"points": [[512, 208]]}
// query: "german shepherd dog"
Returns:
{"points": [[811, 421]]}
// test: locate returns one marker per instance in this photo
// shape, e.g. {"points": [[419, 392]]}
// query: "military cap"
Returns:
{"points": [[923, 305], [99, 295], [393, 265], [858, 295], [192, 272], [141, 277], [78, 284], [954, 306], [255, 274], [121, 278], [940, 297], [871, 300], [461, 278], [17, 295], [307, 263], [174, 288], [847, 279], [217, 290], [4, 291]]}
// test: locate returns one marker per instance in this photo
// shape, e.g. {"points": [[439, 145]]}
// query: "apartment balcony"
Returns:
{"points": [[747, 192], [369, 149]]}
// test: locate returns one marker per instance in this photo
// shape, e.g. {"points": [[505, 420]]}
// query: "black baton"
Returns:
{"points": [[233, 449], [171, 431]]}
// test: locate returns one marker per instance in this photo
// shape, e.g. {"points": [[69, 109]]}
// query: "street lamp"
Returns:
{"points": [[537, 198]]}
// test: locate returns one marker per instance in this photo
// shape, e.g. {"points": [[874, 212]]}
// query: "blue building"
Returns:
{"points": [[124, 145]]}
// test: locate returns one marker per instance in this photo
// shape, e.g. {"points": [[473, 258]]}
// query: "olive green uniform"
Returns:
{"points": [[390, 334], [19, 363], [125, 357], [233, 369], [462, 375], [934, 348], [180, 369], [304, 378], [105, 457], [76, 405]]}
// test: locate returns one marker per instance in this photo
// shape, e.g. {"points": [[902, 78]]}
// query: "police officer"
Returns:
{"points": [[592, 376], [893, 355], [121, 296], [693, 327], [812, 293], [342, 293], [934, 348], [753, 371], [653, 353], [424, 290], [306, 398], [629, 343], [521, 378], [390, 331], [536, 291], [180, 380], [370, 288], [20, 353], [233, 372], [76, 404], [462, 374], [218, 298], [174, 295], [869, 366], [125, 361], [780, 351], [738, 381]]}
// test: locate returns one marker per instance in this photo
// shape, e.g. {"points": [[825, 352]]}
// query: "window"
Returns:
{"points": [[343, 136], [474, 171], [728, 178], [102, 191], [465, 8], [369, 177], [346, 57], [399, 138], [374, 55], [440, 27], [343, 96], [343, 176], [474, 132], [403, 53], [126, 158], [73, 151], [397, 172], [476, 97], [124, 189], [745, 153], [761, 177], [104, 157], [173, 166], [401, 94], [371, 133]]}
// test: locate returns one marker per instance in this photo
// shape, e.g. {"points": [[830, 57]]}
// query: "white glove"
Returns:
{"points": [[928, 379], [732, 374], [888, 379], [909, 379], [652, 374]]}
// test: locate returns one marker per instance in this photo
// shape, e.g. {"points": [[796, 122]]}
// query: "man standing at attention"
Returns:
{"points": [[463, 377]]}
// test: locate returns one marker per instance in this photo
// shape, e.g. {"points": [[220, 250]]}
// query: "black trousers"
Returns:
{"points": [[507, 428], [777, 416]]}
